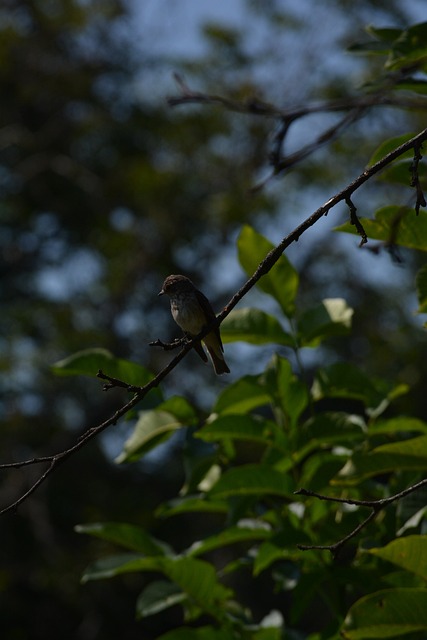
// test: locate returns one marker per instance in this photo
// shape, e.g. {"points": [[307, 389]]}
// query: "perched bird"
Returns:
{"points": [[192, 311]]}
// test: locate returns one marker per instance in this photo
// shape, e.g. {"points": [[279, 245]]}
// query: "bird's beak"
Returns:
{"points": [[161, 293]]}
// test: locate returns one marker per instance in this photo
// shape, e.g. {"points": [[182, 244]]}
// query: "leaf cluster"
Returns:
{"points": [[266, 436]]}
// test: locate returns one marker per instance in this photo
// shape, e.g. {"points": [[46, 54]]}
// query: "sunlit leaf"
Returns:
{"points": [[281, 281], [158, 596], [406, 454], [395, 224], [403, 424], [232, 535], [409, 552], [89, 361], [255, 327], [390, 145], [152, 428], [390, 613]]}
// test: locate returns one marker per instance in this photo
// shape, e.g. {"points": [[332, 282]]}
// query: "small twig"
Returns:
{"points": [[354, 219], [415, 180], [326, 136], [115, 382], [375, 505], [169, 346], [278, 141]]}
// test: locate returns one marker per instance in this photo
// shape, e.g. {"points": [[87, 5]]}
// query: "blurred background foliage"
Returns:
{"points": [[105, 190]]}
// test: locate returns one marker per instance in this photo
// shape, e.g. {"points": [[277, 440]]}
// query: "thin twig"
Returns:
{"points": [[355, 106], [375, 505], [254, 106], [354, 219], [168, 346]]}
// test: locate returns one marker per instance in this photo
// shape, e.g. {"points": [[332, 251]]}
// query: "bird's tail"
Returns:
{"points": [[218, 362]]}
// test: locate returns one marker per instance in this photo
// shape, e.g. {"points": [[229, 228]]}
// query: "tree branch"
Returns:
{"points": [[264, 267], [375, 505], [355, 106]]}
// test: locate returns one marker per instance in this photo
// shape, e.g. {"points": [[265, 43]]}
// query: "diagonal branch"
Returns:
{"points": [[263, 268]]}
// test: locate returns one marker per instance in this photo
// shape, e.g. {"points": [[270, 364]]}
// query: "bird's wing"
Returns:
{"points": [[209, 313]]}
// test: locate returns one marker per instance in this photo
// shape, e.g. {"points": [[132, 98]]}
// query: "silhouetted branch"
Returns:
{"points": [[264, 267], [375, 505], [355, 106], [254, 106]]}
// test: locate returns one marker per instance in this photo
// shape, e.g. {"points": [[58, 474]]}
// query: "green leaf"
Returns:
{"points": [[400, 424], [89, 361], [202, 633], [319, 471], [232, 535], [238, 427], [195, 577], [390, 145], [157, 597], [344, 380], [277, 547], [255, 327], [179, 407], [408, 454], [413, 84], [330, 318], [421, 284], [384, 34], [410, 553], [329, 428], [242, 396], [252, 479], [152, 428], [127, 536], [190, 504], [399, 173], [281, 281], [395, 224], [287, 391], [389, 613], [410, 48]]}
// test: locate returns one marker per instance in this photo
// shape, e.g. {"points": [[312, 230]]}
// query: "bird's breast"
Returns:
{"points": [[188, 315]]}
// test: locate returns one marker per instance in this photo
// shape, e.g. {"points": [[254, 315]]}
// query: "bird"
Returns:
{"points": [[192, 311]]}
